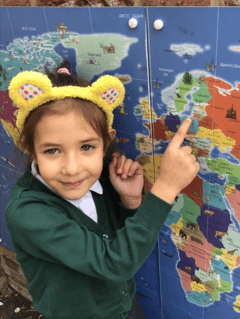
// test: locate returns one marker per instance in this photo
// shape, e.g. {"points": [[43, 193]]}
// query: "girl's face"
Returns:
{"points": [[75, 158]]}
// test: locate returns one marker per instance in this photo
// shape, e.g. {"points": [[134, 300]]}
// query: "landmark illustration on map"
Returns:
{"points": [[92, 61], [211, 66], [62, 29], [231, 113]]}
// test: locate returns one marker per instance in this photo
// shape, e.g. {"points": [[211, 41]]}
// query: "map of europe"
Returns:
{"points": [[199, 244]]}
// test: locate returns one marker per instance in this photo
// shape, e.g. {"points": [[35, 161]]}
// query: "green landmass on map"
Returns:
{"points": [[108, 53]]}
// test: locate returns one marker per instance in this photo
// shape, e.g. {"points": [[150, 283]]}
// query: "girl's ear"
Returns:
{"points": [[112, 134]]}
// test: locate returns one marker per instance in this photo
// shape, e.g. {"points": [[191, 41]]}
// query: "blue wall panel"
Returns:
{"points": [[188, 68]]}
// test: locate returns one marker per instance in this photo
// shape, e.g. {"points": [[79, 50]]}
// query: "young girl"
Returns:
{"points": [[79, 226]]}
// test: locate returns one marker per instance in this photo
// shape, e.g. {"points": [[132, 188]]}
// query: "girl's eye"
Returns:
{"points": [[48, 151], [92, 147]]}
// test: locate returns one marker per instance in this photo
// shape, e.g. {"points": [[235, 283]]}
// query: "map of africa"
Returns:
{"points": [[168, 75]]}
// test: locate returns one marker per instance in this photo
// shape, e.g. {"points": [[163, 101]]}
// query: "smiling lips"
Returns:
{"points": [[74, 182], [73, 185]]}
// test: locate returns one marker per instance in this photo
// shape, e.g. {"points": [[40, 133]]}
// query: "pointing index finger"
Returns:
{"points": [[181, 133]]}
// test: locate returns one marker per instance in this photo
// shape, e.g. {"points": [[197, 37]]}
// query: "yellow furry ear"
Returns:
{"points": [[28, 90], [108, 92]]}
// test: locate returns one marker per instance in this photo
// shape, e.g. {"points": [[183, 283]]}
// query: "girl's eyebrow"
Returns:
{"points": [[93, 139]]}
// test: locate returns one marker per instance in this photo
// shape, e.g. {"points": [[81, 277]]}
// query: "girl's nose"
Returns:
{"points": [[71, 166]]}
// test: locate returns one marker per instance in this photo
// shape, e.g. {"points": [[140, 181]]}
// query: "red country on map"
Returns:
{"points": [[159, 130], [195, 191], [217, 110]]}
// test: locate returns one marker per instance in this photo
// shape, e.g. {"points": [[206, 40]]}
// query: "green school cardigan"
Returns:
{"points": [[76, 268]]}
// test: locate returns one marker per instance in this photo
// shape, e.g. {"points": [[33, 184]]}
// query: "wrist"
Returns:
{"points": [[130, 202], [166, 193]]}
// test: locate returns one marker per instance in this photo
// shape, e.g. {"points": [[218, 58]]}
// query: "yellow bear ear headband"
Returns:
{"points": [[30, 89]]}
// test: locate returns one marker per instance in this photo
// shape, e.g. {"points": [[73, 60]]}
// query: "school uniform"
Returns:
{"points": [[80, 256]]}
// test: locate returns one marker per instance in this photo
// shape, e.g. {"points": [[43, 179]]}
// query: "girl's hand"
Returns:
{"points": [[178, 167], [126, 177]]}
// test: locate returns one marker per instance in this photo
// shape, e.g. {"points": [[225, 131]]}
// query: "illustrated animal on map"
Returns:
{"points": [[156, 84], [236, 306], [195, 278], [177, 91], [71, 38], [5, 100], [197, 240], [122, 111], [195, 193], [192, 225], [231, 252], [211, 271], [106, 49], [201, 79], [182, 234], [209, 212], [166, 254], [219, 233], [123, 78], [188, 269], [214, 192], [25, 61], [208, 198], [164, 241]]}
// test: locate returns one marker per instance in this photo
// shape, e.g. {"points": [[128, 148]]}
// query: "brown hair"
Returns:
{"points": [[90, 111]]}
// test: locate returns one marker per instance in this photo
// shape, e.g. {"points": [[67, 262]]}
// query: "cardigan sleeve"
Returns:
{"points": [[121, 212], [46, 232]]}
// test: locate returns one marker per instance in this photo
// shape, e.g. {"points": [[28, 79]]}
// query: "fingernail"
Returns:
{"points": [[120, 170]]}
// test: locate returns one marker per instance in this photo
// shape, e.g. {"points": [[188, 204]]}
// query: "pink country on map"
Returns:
{"points": [[234, 200]]}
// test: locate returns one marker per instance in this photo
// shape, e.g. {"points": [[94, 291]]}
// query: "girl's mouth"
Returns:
{"points": [[72, 186]]}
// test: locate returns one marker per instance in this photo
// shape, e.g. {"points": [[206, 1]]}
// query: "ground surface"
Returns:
{"points": [[15, 306]]}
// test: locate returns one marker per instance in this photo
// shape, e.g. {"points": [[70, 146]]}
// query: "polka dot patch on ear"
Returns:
{"points": [[29, 91], [110, 95]]}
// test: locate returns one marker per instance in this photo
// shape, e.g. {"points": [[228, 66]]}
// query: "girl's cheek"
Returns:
{"points": [[99, 174]]}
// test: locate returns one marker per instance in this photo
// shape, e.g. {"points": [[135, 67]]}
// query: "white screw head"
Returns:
{"points": [[158, 24], [132, 23]]}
